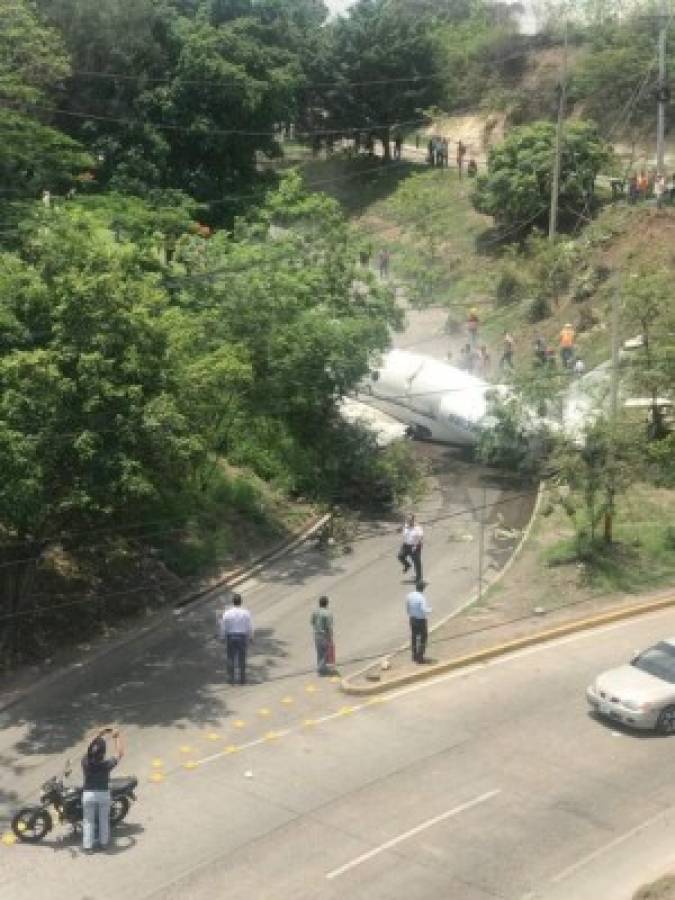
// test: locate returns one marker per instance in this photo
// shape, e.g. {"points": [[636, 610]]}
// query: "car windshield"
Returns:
{"points": [[658, 661]]}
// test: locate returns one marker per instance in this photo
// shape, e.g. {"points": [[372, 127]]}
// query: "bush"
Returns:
{"points": [[538, 309], [509, 288], [587, 319], [669, 538]]}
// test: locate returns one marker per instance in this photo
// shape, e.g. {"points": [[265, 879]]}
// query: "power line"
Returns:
{"points": [[340, 83], [355, 540]]}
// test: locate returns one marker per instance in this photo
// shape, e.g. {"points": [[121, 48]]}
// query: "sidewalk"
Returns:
{"points": [[464, 635]]}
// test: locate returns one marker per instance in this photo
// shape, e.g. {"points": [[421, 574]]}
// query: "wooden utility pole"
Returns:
{"points": [[481, 543], [613, 420], [555, 181], [662, 93]]}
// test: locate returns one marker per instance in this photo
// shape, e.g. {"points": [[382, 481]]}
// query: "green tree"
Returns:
{"points": [[33, 62], [517, 187], [593, 476], [284, 293], [380, 42], [182, 95], [647, 310], [90, 432]]}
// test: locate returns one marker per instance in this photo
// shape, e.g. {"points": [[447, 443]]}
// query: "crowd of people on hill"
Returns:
{"points": [[644, 185], [474, 357], [438, 155]]}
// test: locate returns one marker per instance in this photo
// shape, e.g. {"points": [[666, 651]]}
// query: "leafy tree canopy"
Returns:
{"points": [[33, 156], [379, 43], [517, 187]]}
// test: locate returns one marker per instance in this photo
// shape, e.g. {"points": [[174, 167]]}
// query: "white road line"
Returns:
{"points": [[408, 834], [580, 863]]}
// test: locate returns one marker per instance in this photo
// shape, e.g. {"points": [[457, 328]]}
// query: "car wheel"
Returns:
{"points": [[666, 721]]}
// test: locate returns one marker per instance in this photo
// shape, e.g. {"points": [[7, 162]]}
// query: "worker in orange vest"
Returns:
{"points": [[567, 345]]}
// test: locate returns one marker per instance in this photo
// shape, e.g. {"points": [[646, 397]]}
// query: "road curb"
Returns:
{"points": [[540, 637], [231, 579], [345, 684], [238, 576]]}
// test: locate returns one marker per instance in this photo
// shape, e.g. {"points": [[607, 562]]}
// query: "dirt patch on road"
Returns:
{"points": [[663, 889]]}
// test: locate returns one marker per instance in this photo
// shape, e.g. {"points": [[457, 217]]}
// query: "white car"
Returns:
{"points": [[642, 693]]}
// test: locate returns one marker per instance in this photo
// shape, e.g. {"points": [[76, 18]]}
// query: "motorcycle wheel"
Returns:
{"points": [[118, 810], [31, 824]]}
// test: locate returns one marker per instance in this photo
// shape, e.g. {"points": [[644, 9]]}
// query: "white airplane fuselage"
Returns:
{"points": [[441, 402]]}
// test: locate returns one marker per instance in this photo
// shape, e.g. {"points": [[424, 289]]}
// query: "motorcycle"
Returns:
{"points": [[32, 823]]}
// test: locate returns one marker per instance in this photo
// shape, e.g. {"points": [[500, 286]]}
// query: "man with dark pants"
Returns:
{"points": [[406, 552], [322, 626], [418, 611], [416, 536], [236, 628]]}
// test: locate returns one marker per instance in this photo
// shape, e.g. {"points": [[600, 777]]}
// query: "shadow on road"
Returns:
{"points": [[122, 838], [625, 730], [177, 678]]}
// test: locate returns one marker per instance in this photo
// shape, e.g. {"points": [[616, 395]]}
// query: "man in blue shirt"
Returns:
{"points": [[418, 611]]}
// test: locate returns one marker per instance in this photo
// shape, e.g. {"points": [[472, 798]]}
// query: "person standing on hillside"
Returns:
{"points": [[418, 611], [472, 323], [322, 626], [383, 262], [507, 351], [567, 336], [236, 629], [484, 361], [461, 153]]}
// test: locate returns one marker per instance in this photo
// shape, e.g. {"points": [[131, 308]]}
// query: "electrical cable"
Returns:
{"points": [[395, 529]]}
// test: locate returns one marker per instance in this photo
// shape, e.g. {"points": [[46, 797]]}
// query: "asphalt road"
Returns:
{"points": [[492, 782]]}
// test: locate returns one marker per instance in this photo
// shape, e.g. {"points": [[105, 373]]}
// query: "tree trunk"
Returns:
{"points": [[386, 145], [609, 521], [17, 577]]}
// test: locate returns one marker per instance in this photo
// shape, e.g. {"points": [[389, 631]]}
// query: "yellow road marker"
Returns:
{"points": [[272, 735], [335, 679], [157, 763], [311, 689], [239, 723], [212, 736], [309, 722], [287, 701], [263, 712], [157, 777], [190, 764], [8, 838], [231, 748], [346, 710], [374, 700], [185, 749]]}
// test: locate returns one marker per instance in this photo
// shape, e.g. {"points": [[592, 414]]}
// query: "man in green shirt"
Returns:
{"points": [[322, 625]]}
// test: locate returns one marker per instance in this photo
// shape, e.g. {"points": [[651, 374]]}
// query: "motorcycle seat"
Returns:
{"points": [[122, 785]]}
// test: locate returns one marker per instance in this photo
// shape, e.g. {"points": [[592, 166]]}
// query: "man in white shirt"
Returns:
{"points": [[236, 629], [416, 536], [405, 553], [418, 611]]}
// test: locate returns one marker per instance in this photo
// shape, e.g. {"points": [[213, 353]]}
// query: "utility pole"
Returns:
{"points": [[613, 413], [662, 93], [481, 543], [555, 182]]}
